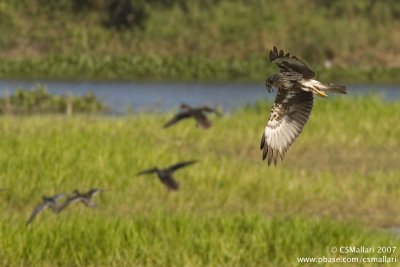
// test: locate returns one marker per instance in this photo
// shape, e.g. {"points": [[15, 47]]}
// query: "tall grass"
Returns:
{"points": [[338, 183], [165, 240]]}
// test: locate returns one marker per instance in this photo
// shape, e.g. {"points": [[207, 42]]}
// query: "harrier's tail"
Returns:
{"points": [[335, 88], [320, 88]]}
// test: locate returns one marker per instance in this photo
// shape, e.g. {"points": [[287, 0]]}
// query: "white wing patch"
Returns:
{"points": [[288, 116]]}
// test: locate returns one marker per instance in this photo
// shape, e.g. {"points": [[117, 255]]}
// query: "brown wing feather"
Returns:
{"points": [[288, 116], [169, 182], [181, 165], [289, 63], [37, 210], [203, 121], [178, 117], [67, 202]]}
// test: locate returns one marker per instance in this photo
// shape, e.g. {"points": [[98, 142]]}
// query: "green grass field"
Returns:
{"points": [[339, 185]]}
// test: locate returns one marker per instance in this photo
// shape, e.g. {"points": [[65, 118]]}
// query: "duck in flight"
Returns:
{"points": [[50, 202], [197, 113], [84, 198], [166, 175]]}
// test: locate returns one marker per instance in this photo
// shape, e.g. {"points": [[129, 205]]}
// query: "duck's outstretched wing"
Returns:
{"points": [[288, 116], [170, 182], [203, 121], [94, 191], [181, 165], [178, 117], [38, 210], [210, 109], [149, 171]]}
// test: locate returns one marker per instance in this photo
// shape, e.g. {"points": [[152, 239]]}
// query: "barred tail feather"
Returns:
{"points": [[335, 88]]}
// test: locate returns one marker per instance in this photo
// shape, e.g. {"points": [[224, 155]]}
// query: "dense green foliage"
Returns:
{"points": [[38, 100], [173, 68], [209, 39], [232, 210]]}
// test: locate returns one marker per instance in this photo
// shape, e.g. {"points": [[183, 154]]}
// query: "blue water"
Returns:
{"points": [[163, 96]]}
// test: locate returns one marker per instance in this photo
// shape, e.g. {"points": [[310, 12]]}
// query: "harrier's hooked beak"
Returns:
{"points": [[268, 85]]}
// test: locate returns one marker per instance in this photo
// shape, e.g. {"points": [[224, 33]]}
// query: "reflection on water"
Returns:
{"points": [[148, 96]]}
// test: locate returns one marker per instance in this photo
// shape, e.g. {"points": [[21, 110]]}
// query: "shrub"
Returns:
{"points": [[39, 100]]}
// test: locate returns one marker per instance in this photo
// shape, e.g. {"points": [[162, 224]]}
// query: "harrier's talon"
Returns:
{"points": [[320, 93]]}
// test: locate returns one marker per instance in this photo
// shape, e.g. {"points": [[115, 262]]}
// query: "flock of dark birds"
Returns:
{"points": [[165, 176], [296, 86]]}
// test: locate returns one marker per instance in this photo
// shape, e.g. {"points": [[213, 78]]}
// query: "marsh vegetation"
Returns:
{"points": [[38, 101], [196, 40], [338, 185]]}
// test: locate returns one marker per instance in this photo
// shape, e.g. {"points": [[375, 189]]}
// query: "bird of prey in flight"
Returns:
{"points": [[198, 113], [165, 175], [296, 85]]}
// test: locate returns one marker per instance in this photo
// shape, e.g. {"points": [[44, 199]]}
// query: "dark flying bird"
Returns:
{"points": [[198, 113], [46, 202], [165, 175], [296, 85], [84, 198]]}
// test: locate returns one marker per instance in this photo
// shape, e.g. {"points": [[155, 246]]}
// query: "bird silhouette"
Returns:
{"points": [[166, 175], [198, 113], [84, 198], [46, 202]]}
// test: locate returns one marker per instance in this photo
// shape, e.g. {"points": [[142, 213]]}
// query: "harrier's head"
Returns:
{"points": [[269, 83]]}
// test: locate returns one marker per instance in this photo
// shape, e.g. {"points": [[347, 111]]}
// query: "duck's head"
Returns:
{"points": [[185, 106]]}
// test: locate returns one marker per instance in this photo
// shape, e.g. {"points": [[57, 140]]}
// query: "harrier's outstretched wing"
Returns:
{"points": [[288, 116], [290, 64]]}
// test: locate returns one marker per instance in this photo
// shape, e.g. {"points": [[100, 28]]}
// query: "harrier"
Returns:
{"points": [[165, 175], [296, 85], [198, 113]]}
